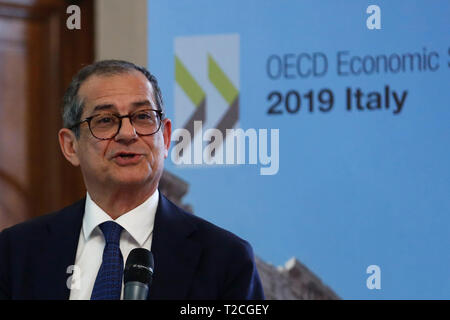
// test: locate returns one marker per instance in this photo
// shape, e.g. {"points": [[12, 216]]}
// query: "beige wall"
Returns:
{"points": [[121, 30]]}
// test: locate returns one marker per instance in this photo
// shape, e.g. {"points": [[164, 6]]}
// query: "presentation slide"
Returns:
{"points": [[318, 130]]}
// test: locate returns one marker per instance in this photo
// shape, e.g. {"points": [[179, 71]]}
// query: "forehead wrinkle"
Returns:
{"points": [[112, 106], [100, 91]]}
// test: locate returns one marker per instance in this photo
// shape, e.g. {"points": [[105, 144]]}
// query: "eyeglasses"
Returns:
{"points": [[106, 125]]}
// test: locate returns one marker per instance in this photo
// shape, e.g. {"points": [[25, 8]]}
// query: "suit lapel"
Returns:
{"points": [[175, 253], [59, 251]]}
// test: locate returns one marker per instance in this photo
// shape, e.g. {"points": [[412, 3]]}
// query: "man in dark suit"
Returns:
{"points": [[115, 130]]}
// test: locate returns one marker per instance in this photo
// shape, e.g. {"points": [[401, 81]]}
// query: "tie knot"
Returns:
{"points": [[111, 232]]}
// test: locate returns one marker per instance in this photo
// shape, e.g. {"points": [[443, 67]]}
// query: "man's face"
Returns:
{"points": [[100, 160]]}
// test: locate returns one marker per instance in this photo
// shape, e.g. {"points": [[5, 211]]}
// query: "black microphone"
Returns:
{"points": [[137, 275]]}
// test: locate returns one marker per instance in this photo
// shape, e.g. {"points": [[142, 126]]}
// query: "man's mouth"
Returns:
{"points": [[126, 155], [127, 158]]}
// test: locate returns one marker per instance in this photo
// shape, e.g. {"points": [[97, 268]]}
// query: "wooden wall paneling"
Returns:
{"points": [[14, 176], [38, 57]]}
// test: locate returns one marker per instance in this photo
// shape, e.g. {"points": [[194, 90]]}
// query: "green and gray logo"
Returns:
{"points": [[207, 82], [207, 108]]}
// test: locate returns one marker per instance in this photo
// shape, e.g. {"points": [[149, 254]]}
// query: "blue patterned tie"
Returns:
{"points": [[108, 284]]}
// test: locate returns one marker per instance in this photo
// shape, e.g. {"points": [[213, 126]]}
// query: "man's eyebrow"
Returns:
{"points": [[103, 107]]}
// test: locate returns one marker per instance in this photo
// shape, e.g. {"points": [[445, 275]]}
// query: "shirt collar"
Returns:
{"points": [[138, 222]]}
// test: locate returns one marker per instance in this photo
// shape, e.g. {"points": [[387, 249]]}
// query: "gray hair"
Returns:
{"points": [[72, 108]]}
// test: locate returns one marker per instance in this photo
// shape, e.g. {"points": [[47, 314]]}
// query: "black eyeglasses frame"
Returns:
{"points": [[88, 120]]}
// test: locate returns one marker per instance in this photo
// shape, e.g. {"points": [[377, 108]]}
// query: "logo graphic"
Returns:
{"points": [[207, 82], [207, 108]]}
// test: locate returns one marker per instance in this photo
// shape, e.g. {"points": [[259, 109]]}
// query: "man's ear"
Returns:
{"points": [[167, 126], [69, 146]]}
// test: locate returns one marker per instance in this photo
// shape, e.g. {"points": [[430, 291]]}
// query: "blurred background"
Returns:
{"points": [[359, 206]]}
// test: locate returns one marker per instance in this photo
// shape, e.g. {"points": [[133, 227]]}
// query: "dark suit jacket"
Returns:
{"points": [[194, 259]]}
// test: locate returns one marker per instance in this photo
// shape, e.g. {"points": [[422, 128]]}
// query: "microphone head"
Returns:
{"points": [[139, 266]]}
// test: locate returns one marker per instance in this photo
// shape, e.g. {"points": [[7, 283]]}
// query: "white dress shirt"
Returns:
{"points": [[137, 233]]}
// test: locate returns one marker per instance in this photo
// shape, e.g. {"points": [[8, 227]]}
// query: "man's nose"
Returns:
{"points": [[127, 131]]}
